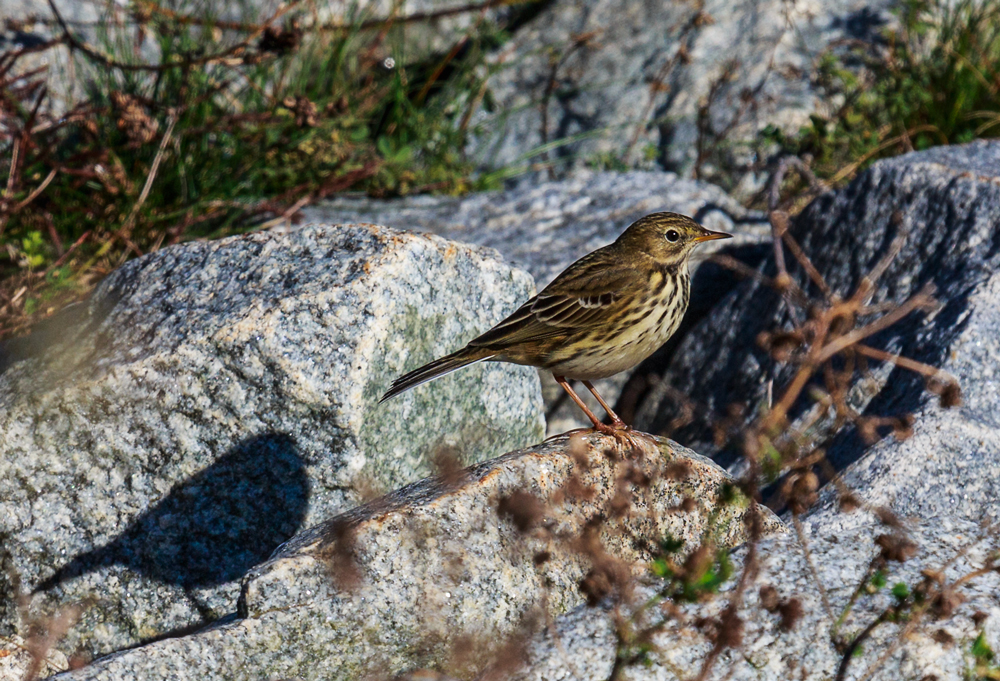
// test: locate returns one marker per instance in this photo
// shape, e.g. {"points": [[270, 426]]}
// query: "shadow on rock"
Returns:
{"points": [[214, 526]]}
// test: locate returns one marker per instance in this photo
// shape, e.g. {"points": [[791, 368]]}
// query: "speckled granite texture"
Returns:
{"points": [[582, 644], [438, 561], [212, 399]]}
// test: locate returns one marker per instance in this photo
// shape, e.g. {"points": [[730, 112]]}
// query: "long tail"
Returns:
{"points": [[436, 369]]}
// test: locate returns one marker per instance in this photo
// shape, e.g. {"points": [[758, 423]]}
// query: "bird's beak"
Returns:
{"points": [[712, 236]]}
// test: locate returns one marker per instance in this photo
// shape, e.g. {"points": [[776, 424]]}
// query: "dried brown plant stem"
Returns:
{"points": [[849, 170], [824, 598], [921, 301]]}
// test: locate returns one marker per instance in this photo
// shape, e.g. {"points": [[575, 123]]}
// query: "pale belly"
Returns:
{"points": [[624, 351]]}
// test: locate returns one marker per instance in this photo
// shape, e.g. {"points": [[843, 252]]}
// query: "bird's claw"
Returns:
{"points": [[622, 432]]}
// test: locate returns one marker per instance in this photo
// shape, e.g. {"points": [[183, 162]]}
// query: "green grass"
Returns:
{"points": [[935, 81], [201, 147]]}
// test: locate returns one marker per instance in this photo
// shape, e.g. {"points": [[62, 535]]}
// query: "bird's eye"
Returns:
{"points": [[672, 235]]}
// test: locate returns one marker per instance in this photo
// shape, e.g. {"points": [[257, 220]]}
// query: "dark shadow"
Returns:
{"points": [[214, 526]]}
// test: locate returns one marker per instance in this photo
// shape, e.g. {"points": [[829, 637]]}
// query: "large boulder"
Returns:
{"points": [[680, 79], [450, 570], [211, 399], [945, 202], [546, 226]]}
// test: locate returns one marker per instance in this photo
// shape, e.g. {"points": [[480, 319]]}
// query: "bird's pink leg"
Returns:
{"points": [[616, 422], [576, 398], [621, 428], [618, 430]]}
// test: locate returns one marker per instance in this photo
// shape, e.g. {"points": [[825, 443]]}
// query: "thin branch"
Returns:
{"points": [[921, 301], [845, 660], [866, 287], [38, 190], [109, 62], [804, 545]]}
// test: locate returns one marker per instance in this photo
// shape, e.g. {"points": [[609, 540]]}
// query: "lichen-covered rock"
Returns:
{"points": [[460, 562], [210, 400], [544, 227]]}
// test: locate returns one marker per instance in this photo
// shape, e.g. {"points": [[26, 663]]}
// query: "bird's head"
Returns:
{"points": [[668, 238]]}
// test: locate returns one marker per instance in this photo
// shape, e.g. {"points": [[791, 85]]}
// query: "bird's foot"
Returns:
{"points": [[622, 432]]}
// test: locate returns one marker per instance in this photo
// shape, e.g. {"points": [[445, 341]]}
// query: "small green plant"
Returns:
{"points": [[935, 81], [984, 666]]}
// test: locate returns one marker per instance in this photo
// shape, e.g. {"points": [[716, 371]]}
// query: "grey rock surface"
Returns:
{"points": [[18, 656], [582, 644], [545, 227], [210, 400], [601, 76], [468, 560], [946, 203]]}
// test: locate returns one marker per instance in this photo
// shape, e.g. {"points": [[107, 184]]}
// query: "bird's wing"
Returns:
{"points": [[584, 296]]}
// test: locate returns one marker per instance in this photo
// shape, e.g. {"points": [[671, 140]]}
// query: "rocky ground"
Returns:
{"points": [[191, 446], [196, 479]]}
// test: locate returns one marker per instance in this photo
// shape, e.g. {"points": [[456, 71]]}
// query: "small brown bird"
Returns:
{"points": [[607, 312]]}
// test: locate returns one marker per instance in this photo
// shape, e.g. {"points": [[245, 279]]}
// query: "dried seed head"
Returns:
{"points": [[896, 547], [943, 637], [951, 396], [339, 555], [677, 470], [791, 612], [280, 40], [133, 120], [523, 509], [849, 502], [800, 489], [730, 632], [945, 603], [769, 599]]}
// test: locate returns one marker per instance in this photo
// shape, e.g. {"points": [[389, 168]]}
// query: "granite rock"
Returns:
{"points": [[946, 203], [545, 227], [582, 644], [467, 560], [210, 400], [18, 656], [602, 78]]}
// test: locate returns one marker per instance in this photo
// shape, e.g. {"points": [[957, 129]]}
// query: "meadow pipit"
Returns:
{"points": [[607, 312]]}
